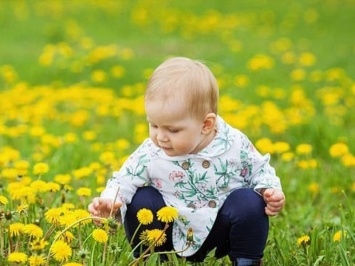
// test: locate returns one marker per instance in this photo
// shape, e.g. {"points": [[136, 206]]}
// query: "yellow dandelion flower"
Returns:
{"points": [[24, 193], [287, 156], [70, 137], [335, 190], [107, 157], [338, 149], [17, 257], [156, 236], [81, 214], [3, 200], [89, 135], [100, 189], [314, 188], [303, 164], [260, 61], [22, 167], [9, 173], [67, 188], [33, 230], [298, 74], [72, 264], [40, 168], [62, 179], [264, 145], [22, 209], [100, 179], [98, 76], [117, 71], [303, 240], [53, 215], [16, 229], [304, 149], [68, 219], [38, 186], [339, 235], [82, 172], [313, 163], [167, 214], [143, 237], [38, 244], [61, 251], [52, 187], [100, 235], [37, 131], [241, 81], [348, 160], [281, 147], [145, 216], [307, 59], [37, 260], [84, 192]]}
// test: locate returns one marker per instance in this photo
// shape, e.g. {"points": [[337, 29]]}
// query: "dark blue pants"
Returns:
{"points": [[240, 230]]}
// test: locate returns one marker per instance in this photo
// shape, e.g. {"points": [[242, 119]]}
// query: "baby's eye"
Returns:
{"points": [[153, 126], [172, 130]]}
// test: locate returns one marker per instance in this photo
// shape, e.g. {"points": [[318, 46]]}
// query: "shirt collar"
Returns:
{"points": [[222, 142]]}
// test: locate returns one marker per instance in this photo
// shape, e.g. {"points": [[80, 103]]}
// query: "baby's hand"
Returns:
{"points": [[102, 207], [275, 201]]}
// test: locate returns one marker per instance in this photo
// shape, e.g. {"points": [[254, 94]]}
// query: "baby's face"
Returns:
{"points": [[172, 128]]}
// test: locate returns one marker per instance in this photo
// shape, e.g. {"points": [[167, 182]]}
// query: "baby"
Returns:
{"points": [[222, 187]]}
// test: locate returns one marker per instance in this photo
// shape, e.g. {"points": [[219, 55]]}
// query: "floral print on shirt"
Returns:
{"points": [[196, 184]]}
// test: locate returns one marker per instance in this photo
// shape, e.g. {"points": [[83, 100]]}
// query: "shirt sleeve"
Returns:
{"points": [[260, 174], [132, 175]]}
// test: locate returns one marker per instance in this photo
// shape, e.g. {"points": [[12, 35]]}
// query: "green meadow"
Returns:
{"points": [[72, 79]]}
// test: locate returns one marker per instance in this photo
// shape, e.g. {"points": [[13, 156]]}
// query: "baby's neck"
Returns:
{"points": [[207, 140]]}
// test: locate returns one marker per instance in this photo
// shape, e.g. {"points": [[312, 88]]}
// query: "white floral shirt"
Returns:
{"points": [[196, 184]]}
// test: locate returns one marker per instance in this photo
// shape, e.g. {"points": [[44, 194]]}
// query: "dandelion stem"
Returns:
{"points": [[49, 232], [1, 240], [111, 212], [67, 228], [92, 255], [169, 252], [131, 254], [143, 255], [10, 242], [104, 253], [135, 233]]}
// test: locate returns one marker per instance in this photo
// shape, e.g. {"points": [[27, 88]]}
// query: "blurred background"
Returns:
{"points": [[73, 75]]}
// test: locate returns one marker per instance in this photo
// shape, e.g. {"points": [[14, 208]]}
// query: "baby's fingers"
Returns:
{"points": [[271, 211], [97, 202], [116, 206]]}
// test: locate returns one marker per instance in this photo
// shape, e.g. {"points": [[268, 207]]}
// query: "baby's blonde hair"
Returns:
{"points": [[186, 80]]}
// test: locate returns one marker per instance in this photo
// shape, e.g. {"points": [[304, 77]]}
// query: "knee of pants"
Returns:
{"points": [[245, 205], [146, 197]]}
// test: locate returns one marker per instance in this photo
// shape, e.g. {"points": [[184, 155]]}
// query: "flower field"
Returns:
{"points": [[72, 79]]}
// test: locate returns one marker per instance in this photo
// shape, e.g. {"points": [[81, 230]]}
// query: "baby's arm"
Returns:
{"points": [[275, 200]]}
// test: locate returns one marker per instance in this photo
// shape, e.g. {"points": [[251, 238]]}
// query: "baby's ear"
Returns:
{"points": [[209, 123]]}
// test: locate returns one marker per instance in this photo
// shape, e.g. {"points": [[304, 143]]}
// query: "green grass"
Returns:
{"points": [[63, 99]]}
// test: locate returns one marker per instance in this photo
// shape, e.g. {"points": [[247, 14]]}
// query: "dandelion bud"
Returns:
{"points": [[112, 223], [8, 215], [83, 254], [190, 237]]}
